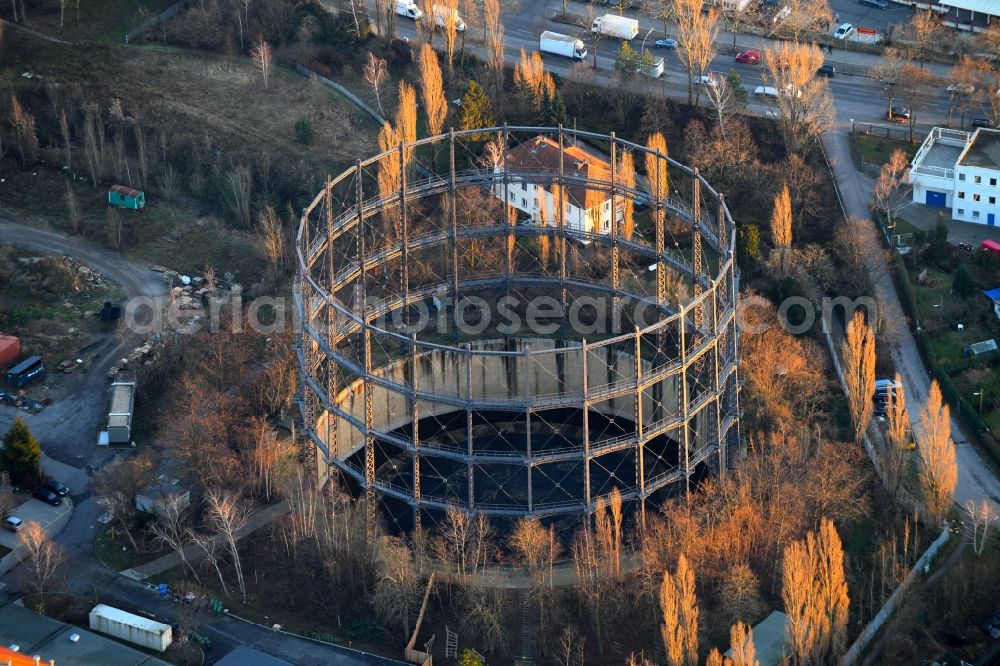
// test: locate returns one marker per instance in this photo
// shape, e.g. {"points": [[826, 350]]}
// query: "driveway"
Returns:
{"points": [[975, 480]]}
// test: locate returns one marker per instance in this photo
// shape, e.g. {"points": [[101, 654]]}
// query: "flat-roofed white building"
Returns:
{"points": [[960, 171]]}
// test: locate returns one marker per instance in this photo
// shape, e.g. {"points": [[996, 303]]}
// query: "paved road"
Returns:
{"points": [[855, 96], [975, 480]]}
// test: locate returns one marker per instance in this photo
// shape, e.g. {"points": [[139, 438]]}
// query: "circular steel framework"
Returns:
{"points": [[620, 371]]}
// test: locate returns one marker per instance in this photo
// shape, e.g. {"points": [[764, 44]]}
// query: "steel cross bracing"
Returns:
{"points": [[334, 256]]}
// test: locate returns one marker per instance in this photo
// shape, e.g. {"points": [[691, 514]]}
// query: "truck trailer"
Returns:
{"points": [[562, 45], [121, 396], [612, 25], [132, 628]]}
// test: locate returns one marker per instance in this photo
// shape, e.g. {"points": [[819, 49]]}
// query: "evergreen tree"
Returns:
{"points": [[21, 456], [749, 245], [627, 60], [736, 85], [963, 285], [470, 658], [476, 109], [555, 110]]}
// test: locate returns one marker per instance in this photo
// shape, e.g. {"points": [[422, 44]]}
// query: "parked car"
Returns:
{"points": [[13, 523], [55, 487], [897, 113], [766, 91], [980, 122], [751, 57], [47, 496], [877, 4], [961, 89], [968, 247], [991, 627], [666, 43], [844, 31], [7, 397], [826, 70]]}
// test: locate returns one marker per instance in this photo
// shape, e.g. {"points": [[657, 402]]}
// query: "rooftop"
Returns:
{"points": [[769, 639], [50, 639], [983, 151], [541, 154], [938, 154]]}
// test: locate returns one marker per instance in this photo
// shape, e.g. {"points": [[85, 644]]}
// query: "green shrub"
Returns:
{"points": [[304, 131]]}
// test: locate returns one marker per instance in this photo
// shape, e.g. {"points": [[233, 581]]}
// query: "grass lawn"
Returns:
{"points": [[876, 150], [118, 554]]}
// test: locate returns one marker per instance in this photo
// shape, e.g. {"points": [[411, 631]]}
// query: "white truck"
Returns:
{"points": [[441, 13], [409, 9], [612, 25], [562, 45], [652, 69]]}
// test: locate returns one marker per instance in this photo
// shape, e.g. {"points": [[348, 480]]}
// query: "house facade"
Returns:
{"points": [[960, 171], [585, 210]]}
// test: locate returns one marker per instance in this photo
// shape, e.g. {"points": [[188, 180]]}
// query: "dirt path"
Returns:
{"points": [[68, 428]]}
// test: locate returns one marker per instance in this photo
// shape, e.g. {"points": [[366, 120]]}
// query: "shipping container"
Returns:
{"points": [[10, 350], [26, 372], [132, 628], [121, 396]]}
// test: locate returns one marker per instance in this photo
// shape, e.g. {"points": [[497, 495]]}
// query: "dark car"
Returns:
{"points": [[826, 70], [968, 247], [980, 122], [897, 113], [47, 496], [56, 488]]}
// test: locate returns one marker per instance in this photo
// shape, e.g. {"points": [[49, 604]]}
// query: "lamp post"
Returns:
{"points": [[644, 40], [980, 394]]}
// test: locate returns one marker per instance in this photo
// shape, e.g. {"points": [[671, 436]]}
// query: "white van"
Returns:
{"points": [[441, 18], [765, 91], [409, 9]]}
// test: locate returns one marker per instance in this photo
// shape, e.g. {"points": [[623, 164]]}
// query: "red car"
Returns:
{"points": [[751, 57]]}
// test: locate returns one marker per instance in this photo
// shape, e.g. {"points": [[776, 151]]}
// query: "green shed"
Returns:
{"points": [[126, 197]]}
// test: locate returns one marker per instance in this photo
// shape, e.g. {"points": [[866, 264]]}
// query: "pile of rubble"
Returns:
{"points": [[86, 278]]}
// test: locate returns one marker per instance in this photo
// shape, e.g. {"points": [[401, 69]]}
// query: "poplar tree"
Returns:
{"points": [[938, 469]]}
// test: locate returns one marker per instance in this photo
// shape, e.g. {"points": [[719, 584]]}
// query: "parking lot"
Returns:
{"points": [[38, 511]]}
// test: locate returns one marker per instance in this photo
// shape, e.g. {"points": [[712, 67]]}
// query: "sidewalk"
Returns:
{"points": [[193, 552]]}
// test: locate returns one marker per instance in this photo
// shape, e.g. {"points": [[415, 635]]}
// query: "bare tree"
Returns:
{"points": [[924, 32], [261, 55], [898, 432], [781, 219], [450, 32], [62, 14], [265, 453], [168, 528], [626, 178], [73, 210], [715, 658], [741, 592], [43, 560], [398, 589], [814, 592], [67, 143], [804, 17], [744, 653], [679, 609], [406, 120], [892, 180], [858, 357], [228, 515], [938, 469], [723, 101], [803, 102], [494, 31], [116, 485], [425, 26], [979, 517], [207, 545], [376, 75], [661, 10], [913, 87], [271, 239], [237, 193], [25, 135], [432, 90], [696, 33]]}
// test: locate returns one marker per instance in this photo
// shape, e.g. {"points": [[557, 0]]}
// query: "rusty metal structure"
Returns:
{"points": [[459, 347]]}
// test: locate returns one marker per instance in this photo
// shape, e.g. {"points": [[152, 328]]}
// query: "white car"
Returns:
{"points": [[765, 91], [707, 80], [961, 89], [13, 523], [845, 30]]}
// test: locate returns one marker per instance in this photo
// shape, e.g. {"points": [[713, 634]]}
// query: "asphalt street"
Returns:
{"points": [[855, 96]]}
